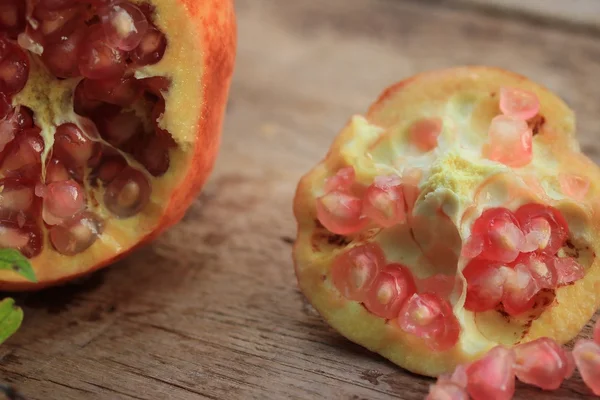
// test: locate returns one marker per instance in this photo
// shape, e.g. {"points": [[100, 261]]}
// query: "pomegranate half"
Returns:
{"points": [[458, 215], [110, 122]]}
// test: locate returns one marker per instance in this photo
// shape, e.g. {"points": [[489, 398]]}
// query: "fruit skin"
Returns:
{"points": [[216, 40], [315, 248]]}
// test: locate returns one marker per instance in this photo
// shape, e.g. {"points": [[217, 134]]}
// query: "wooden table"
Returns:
{"points": [[211, 309]]}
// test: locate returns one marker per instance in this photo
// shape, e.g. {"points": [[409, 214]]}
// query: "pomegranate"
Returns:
{"points": [[110, 118], [449, 221]]}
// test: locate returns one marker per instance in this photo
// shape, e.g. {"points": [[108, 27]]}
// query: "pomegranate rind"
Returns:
{"points": [[446, 94], [199, 61]]}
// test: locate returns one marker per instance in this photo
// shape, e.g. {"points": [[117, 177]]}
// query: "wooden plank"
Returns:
{"points": [[211, 309]]}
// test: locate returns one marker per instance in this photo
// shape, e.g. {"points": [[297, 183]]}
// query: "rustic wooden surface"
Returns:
{"points": [[211, 309]]}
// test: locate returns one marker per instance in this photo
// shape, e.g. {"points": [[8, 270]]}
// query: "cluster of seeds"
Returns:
{"points": [[99, 45], [542, 363]]}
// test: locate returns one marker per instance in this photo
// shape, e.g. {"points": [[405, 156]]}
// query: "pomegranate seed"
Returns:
{"points": [[27, 240], [538, 236], [63, 199], [458, 376], [587, 359], [541, 268], [519, 103], [341, 213], [23, 158], [53, 25], [8, 129], [124, 25], [391, 288], [128, 193], [61, 58], [342, 181], [97, 60], [157, 85], [492, 376], [509, 142], [57, 4], [5, 106], [542, 363], [440, 284], [430, 317], [56, 172], [574, 186], [424, 133], [519, 289], [14, 68], [529, 213], [110, 168], [597, 332], [121, 128], [485, 284], [151, 48], [447, 391], [122, 91], [72, 146], [76, 234], [354, 271], [15, 197], [496, 235], [384, 201], [12, 17], [153, 154], [568, 270], [86, 106]]}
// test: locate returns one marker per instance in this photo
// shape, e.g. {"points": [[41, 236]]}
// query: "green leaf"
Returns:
{"points": [[11, 317], [13, 260]]}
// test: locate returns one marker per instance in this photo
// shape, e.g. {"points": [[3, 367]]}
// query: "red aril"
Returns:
{"points": [[518, 103], [568, 270], [542, 363], [510, 142], [354, 271], [575, 186], [391, 288], [447, 391], [384, 201], [485, 285], [519, 289], [541, 267], [341, 213], [84, 188], [424, 133], [529, 216], [124, 25], [430, 317], [587, 359], [492, 376]]}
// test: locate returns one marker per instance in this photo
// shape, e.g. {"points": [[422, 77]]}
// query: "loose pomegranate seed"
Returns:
{"points": [[125, 25], [354, 271], [63, 199], [574, 186], [424, 133], [57, 4], [587, 359], [151, 48], [391, 288], [447, 391], [12, 17], [121, 128], [492, 376], [14, 68], [97, 60], [485, 285], [568, 270], [153, 153], [62, 57], [509, 142], [496, 235], [430, 317], [384, 201], [122, 91], [458, 376], [542, 363], [72, 146], [528, 216], [76, 234], [127, 194], [519, 103]]}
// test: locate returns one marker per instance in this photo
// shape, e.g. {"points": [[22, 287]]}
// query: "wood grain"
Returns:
{"points": [[211, 309]]}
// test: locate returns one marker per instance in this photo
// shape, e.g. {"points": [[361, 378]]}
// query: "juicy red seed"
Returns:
{"points": [[53, 25], [72, 146], [12, 17], [391, 288], [354, 271], [492, 376], [124, 24], [61, 58], [14, 68], [24, 118], [542, 363], [27, 239], [128, 193], [64, 199], [118, 130], [151, 49], [341, 213], [15, 197], [97, 60], [122, 91], [23, 157], [587, 358], [559, 228], [519, 103], [56, 172], [154, 155], [110, 168], [76, 234], [484, 285]]}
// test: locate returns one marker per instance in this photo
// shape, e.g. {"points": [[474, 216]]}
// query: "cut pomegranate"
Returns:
{"points": [[529, 217], [384, 201], [68, 180], [424, 133], [519, 103], [391, 288], [354, 271], [430, 317], [542, 363], [492, 376], [509, 142], [587, 359]]}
